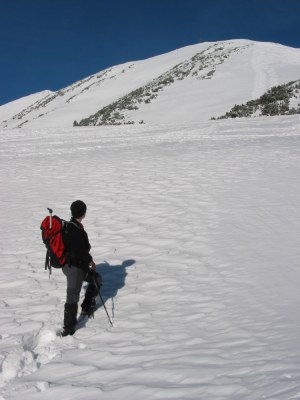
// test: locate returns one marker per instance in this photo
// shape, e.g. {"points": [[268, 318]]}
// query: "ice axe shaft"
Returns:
{"points": [[50, 212]]}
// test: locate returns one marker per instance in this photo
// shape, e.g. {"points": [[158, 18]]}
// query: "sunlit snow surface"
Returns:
{"points": [[196, 231]]}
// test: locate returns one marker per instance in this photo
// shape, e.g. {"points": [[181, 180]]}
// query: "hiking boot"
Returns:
{"points": [[66, 332], [70, 319]]}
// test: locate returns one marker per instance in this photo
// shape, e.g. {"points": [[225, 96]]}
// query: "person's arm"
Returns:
{"points": [[78, 247]]}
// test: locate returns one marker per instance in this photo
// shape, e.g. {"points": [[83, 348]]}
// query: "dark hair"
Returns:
{"points": [[78, 209]]}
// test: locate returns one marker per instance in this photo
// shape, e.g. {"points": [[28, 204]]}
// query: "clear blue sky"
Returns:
{"points": [[49, 44]]}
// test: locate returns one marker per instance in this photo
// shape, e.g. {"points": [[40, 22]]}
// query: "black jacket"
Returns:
{"points": [[77, 245]]}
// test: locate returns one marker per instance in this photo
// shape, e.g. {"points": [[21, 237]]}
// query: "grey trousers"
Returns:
{"points": [[75, 277]]}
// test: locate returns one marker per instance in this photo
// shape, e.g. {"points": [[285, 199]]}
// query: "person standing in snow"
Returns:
{"points": [[79, 268]]}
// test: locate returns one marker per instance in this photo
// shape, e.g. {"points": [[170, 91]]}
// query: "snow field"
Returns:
{"points": [[195, 231]]}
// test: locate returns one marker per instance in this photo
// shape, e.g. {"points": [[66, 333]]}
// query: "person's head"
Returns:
{"points": [[78, 209]]}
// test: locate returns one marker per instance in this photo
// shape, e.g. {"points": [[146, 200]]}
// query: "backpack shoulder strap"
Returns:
{"points": [[73, 223]]}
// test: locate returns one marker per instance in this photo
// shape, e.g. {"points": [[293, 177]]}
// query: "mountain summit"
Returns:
{"points": [[191, 84]]}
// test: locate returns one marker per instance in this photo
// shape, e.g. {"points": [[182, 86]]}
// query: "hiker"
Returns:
{"points": [[80, 267]]}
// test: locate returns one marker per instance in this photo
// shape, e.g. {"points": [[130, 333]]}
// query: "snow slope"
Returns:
{"points": [[195, 229], [13, 108], [208, 80]]}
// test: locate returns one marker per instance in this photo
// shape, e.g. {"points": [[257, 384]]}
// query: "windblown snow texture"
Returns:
{"points": [[195, 230]]}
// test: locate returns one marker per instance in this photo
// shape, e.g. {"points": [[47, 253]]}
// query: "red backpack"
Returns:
{"points": [[53, 232]]}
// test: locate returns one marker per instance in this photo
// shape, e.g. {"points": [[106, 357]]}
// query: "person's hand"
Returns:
{"points": [[92, 265]]}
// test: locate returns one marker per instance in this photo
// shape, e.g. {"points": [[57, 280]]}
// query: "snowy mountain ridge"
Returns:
{"points": [[202, 65], [191, 84]]}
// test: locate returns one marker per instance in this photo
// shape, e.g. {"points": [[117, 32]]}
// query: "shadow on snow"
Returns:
{"points": [[113, 279]]}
